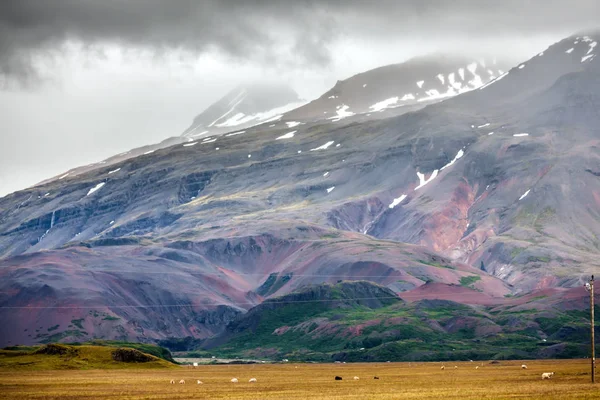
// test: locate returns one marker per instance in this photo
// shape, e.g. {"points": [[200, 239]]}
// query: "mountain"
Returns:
{"points": [[401, 87], [495, 189], [245, 106], [360, 321]]}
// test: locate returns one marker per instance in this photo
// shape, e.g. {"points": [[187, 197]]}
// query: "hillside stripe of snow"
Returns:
{"points": [[323, 147], [206, 139], [293, 124], [570, 50], [420, 84], [365, 85], [584, 59], [382, 105], [330, 189], [484, 125], [190, 144], [520, 134], [64, 176], [423, 181], [210, 141], [287, 135], [494, 81], [235, 133], [342, 112], [260, 117], [408, 96], [95, 188], [592, 45], [397, 201], [326, 173], [114, 170], [490, 134], [521, 66], [198, 134], [458, 156], [228, 112], [441, 78], [434, 94], [149, 152], [461, 72], [524, 195]]}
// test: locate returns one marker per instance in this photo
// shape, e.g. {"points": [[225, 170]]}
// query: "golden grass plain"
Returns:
{"points": [[505, 380]]}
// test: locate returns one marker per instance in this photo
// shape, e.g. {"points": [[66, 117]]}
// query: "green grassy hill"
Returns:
{"points": [[60, 356], [301, 327]]}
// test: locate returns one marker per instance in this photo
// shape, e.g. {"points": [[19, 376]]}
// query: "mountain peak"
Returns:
{"points": [[246, 105]]}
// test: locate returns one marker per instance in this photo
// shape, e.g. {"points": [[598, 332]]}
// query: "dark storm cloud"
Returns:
{"points": [[254, 29]]}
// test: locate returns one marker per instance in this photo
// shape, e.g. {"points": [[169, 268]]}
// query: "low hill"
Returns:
{"points": [[360, 321], [60, 356]]}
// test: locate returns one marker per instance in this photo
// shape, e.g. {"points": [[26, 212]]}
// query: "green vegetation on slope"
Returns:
{"points": [[60, 356], [425, 330]]}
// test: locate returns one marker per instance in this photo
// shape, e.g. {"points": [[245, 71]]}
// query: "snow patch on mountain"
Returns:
{"points": [[457, 157], [95, 188], [397, 201], [382, 105], [423, 181], [288, 135], [323, 147], [342, 113]]}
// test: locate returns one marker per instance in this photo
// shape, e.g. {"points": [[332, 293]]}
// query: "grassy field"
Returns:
{"points": [[315, 381]]}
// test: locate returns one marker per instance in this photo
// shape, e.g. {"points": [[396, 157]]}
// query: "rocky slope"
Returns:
{"points": [[498, 186], [400, 88]]}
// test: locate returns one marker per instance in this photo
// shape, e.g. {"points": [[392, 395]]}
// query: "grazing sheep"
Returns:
{"points": [[338, 378], [375, 377], [477, 367], [443, 367], [199, 382], [456, 367], [252, 380], [356, 378], [181, 382], [547, 375], [172, 381], [195, 365], [523, 366], [234, 380]]}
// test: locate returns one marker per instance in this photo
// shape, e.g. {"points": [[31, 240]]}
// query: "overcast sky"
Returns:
{"points": [[81, 80]]}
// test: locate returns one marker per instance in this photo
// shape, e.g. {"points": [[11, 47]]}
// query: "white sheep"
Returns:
{"points": [[195, 364], [443, 367], [356, 378], [199, 382], [523, 366], [456, 367], [252, 380], [234, 380], [181, 382], [172, 381], [547, 375], [477, 367]]}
